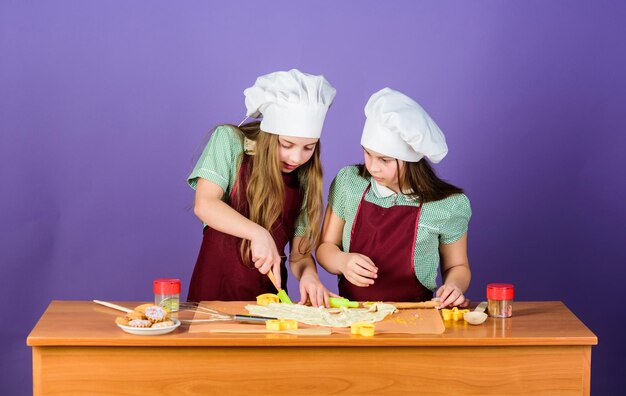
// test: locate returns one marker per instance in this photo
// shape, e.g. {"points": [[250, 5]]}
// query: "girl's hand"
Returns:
{"points": [[358, 269], [451, 295], [312, 289], [265, 254]]}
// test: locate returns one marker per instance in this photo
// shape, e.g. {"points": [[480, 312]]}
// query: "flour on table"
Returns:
{"points": [[320, 316]]}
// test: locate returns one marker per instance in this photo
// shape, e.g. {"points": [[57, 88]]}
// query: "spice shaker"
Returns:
{"points": [[167, 293], [500, 300]]}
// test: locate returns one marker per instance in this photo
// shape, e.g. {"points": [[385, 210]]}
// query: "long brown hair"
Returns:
{"points": [[421, 178], [265, 193]]}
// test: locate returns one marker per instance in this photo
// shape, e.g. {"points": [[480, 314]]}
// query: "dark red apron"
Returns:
{"points": [[220, 273], [387, 236]]}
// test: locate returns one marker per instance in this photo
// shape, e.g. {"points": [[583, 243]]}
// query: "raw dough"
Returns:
{"points": [[331, 317]]}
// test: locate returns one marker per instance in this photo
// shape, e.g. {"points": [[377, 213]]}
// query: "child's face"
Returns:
{"points": [[294, 151], [383, 168]]}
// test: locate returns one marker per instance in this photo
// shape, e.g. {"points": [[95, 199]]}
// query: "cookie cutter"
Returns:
{"points": [[362, 328], [267, 298], [453, 314], [281, 324]]}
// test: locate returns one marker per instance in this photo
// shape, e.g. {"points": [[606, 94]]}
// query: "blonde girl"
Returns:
{"points": [[258, 187]]}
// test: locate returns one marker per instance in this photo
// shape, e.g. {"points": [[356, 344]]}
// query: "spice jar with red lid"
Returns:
{"points": [[500, 300], [167, 293]]}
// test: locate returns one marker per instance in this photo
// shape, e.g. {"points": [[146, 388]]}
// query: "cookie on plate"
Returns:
{"points": [[166, 323], [155, 314], [134, 315], [140, 323], [142, 308]]}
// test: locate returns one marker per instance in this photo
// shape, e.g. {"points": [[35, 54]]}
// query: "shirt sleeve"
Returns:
{"points": [[219, 159], [456, 226], [337, 194]]}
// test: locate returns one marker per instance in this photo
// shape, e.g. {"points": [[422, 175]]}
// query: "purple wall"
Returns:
{"points": [[102, 105]]}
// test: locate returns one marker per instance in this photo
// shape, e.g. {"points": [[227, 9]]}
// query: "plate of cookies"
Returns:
{"points": [[147, 319], [155, 329]]}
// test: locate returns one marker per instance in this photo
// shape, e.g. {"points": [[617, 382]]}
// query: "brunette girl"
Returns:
{"points": [[391, 223]]}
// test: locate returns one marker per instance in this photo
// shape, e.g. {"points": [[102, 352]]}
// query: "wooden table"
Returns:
{"points": [[543, 349]]}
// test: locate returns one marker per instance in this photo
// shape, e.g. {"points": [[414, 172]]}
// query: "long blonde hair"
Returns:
{"points": [[265, 193]]}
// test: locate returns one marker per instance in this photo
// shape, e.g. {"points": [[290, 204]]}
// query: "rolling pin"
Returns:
{"points": [[415, 305]]}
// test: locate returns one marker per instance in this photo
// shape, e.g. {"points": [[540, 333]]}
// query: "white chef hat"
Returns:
{"points": [[398, 127], [291, 103]]}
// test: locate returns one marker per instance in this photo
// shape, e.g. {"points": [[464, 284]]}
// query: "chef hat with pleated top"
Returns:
{"points": [[398, 127], [291, 103]]}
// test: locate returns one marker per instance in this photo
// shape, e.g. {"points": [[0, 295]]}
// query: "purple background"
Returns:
{"points": [[103, 104]]}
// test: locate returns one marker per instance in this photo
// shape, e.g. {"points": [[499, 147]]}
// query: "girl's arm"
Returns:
{"points": [[218, 215], [357, 268], [304, 269], [455, 272]]}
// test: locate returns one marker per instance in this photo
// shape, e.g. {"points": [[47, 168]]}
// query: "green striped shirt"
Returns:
{"points": [[444, 221], [220, 162]]}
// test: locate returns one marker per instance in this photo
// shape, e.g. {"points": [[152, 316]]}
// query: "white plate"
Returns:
{"points": [[149, 331]]}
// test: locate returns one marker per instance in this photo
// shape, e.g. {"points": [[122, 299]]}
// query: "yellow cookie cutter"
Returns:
{"points": [[453, 314], [266, 298], [362, 328], [281, 324]]}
